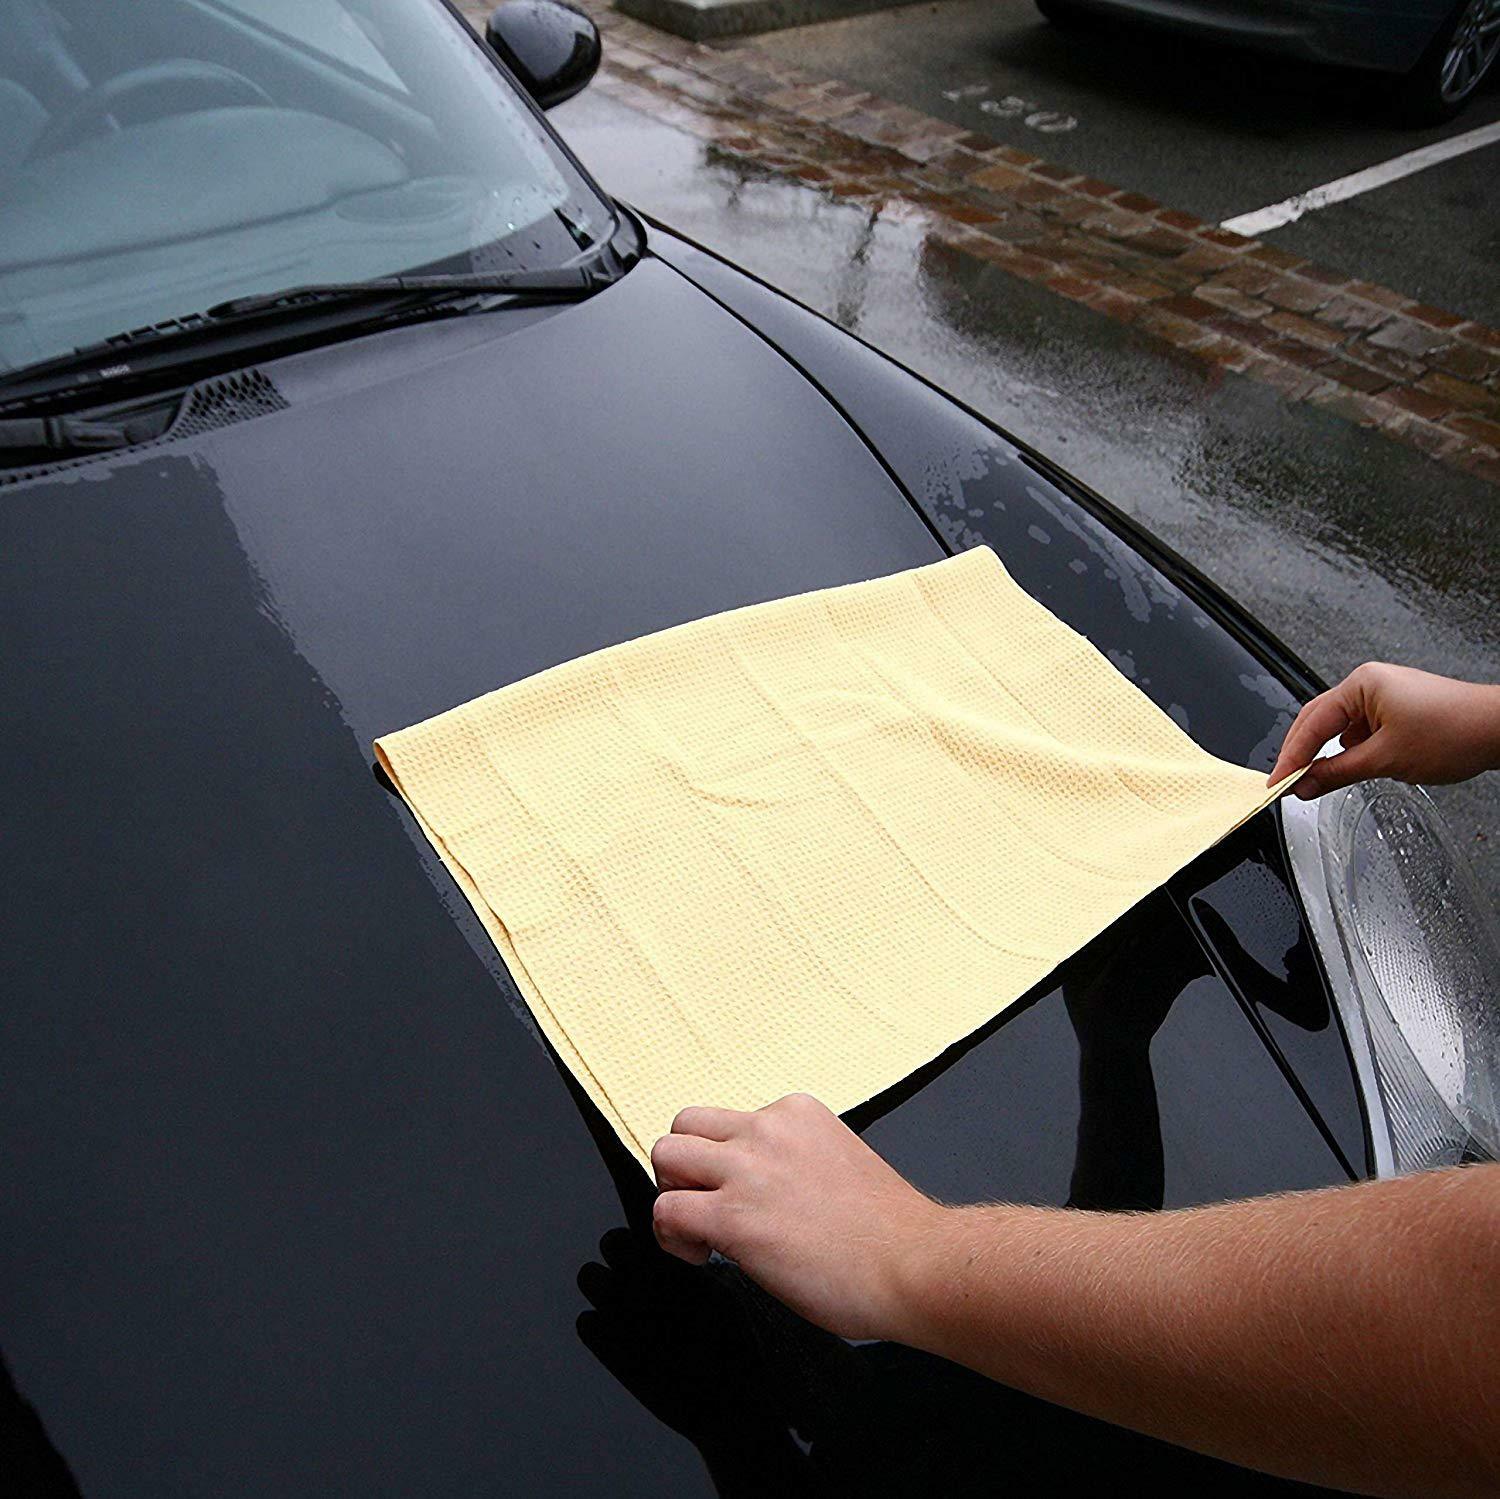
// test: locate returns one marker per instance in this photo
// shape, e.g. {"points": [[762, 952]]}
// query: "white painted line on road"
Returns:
{"points": [[1291, 209]]}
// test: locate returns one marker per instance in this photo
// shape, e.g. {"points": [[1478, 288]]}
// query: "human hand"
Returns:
{"points": [[801, 1203], [1394, 721]]}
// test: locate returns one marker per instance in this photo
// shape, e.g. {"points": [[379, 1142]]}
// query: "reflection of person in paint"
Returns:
{"points": [[1340, 1336], [879, 1417]]}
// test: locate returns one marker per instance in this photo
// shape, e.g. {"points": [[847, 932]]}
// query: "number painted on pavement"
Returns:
{"points": [[1032, 115]]}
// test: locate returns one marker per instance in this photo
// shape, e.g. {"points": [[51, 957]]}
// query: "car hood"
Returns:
{"points": [[297, 1197]]}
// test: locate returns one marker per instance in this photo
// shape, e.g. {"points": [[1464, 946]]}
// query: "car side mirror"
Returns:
{"points": [[551, 48]]}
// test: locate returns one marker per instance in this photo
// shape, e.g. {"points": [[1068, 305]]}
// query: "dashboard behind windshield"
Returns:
{"points": [[161, 157]]}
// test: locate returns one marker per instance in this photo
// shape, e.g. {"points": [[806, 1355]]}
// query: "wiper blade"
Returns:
{"points": [[549, 285], [257, 321]]}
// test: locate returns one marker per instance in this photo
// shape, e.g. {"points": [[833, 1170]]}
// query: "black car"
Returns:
{"points": [[334, 393]]}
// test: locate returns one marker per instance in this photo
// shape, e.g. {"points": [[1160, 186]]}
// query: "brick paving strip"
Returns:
{"points": [[1364, 352]]}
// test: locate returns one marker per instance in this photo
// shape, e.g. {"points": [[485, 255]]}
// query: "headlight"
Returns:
{"points": [[1413, 960]]}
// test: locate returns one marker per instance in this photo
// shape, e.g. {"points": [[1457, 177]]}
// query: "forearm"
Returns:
{"points": [[1487, 714], [1345, 1337]]}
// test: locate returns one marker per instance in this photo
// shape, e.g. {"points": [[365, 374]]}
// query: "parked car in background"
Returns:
{"points": [[1437, 52], [334, 392]]}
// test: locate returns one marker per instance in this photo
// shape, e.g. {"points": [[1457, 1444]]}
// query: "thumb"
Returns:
{"points": [[1359, 763]]}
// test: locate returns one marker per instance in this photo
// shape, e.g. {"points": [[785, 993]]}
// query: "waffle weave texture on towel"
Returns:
{"points": [[807, 845]]}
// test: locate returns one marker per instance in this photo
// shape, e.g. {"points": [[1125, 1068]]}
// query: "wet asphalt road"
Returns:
{"points": [[1216, 131], [1346, 544]]}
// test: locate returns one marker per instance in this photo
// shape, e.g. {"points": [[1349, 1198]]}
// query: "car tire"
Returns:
{"points": [[1453, 67], [1064, 14]]}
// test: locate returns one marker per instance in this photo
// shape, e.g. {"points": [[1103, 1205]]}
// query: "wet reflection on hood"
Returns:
{"points": [[31, 1464], [774, 1404], [1117, 992]]}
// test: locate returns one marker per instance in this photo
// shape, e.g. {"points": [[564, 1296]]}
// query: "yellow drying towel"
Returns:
{"points": [[809, 844]]}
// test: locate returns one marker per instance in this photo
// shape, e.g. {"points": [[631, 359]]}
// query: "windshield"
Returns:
{"points": [[164, 156]]}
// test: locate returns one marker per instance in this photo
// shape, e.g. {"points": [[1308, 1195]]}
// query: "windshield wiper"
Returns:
{"points": [[246, 325], [552, 285], [64, 434]]}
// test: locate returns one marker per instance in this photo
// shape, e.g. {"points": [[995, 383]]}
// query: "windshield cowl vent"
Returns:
{"points": [[223, 402], [220, 402]]}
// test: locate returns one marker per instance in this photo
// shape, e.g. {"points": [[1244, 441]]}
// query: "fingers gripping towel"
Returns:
{"points": [[809, 844]]}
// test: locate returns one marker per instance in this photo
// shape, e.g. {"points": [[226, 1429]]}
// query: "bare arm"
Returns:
{"points": [[1345, 1337]]}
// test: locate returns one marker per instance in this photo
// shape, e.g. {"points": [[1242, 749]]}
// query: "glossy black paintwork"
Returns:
{"points": [[295, 1197]]}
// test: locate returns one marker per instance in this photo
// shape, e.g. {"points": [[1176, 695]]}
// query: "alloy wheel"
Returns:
{"points": [[1471, 51]]}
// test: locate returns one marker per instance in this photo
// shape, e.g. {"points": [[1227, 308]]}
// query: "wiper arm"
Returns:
{"points": [[65, 434], [550, 285], [274, 318]]}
